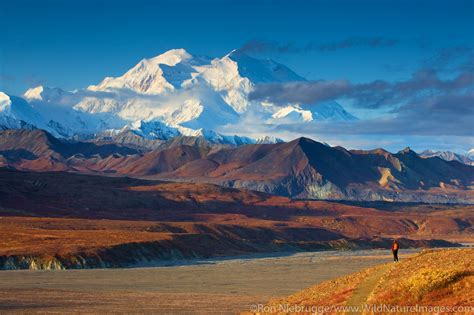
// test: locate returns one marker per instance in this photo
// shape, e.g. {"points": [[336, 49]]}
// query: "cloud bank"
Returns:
{"points": [[374, 94], [437, 100]]}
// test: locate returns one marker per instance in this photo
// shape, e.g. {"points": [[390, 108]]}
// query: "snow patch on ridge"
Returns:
{"points": [[293, 113]]}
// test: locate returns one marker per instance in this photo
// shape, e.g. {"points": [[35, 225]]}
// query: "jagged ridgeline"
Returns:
{"points": [[302, 168]]}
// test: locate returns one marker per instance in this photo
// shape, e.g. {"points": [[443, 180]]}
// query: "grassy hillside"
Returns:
{"points": [[435, 277], [432, 278]]}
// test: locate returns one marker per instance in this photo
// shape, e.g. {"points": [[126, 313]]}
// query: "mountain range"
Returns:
{"points": [[162, 120], [173, 94], [302, 168]]}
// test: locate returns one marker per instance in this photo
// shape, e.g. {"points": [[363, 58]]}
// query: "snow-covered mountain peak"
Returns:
{"points": [[232, 77], [16, 113], [163, 73], [34, 93], [4, 100], [144, 78], [169, 94], [171, 57], [46, 94]]}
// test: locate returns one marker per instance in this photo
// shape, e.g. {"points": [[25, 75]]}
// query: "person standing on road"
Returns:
{"points": [[395, 248]]}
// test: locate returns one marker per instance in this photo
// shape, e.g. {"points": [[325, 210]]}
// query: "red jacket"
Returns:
{"points": [[395, 246]]}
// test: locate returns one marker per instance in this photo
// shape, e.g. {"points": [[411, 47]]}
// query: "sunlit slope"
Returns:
{"points": [[432, 278]]}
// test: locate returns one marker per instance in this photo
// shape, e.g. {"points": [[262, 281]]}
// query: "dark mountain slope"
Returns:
{"points": [[42, 144], [307, 169], [302, 168]]}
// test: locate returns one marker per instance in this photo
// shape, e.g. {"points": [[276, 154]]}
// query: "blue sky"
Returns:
{"points": [[72, 44]]}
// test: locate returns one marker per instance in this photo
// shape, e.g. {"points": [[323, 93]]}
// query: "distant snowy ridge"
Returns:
{"points": [[162, 131], [470, 154], [468, 158], [325, 111]]}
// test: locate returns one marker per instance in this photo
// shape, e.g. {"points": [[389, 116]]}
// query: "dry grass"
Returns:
{"points": [[333, 292], [51, 236], [435, 277], [428, 280]]}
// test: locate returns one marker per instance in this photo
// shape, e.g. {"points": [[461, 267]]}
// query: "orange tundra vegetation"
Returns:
{"points": [[431, 278], [84, 220]]}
